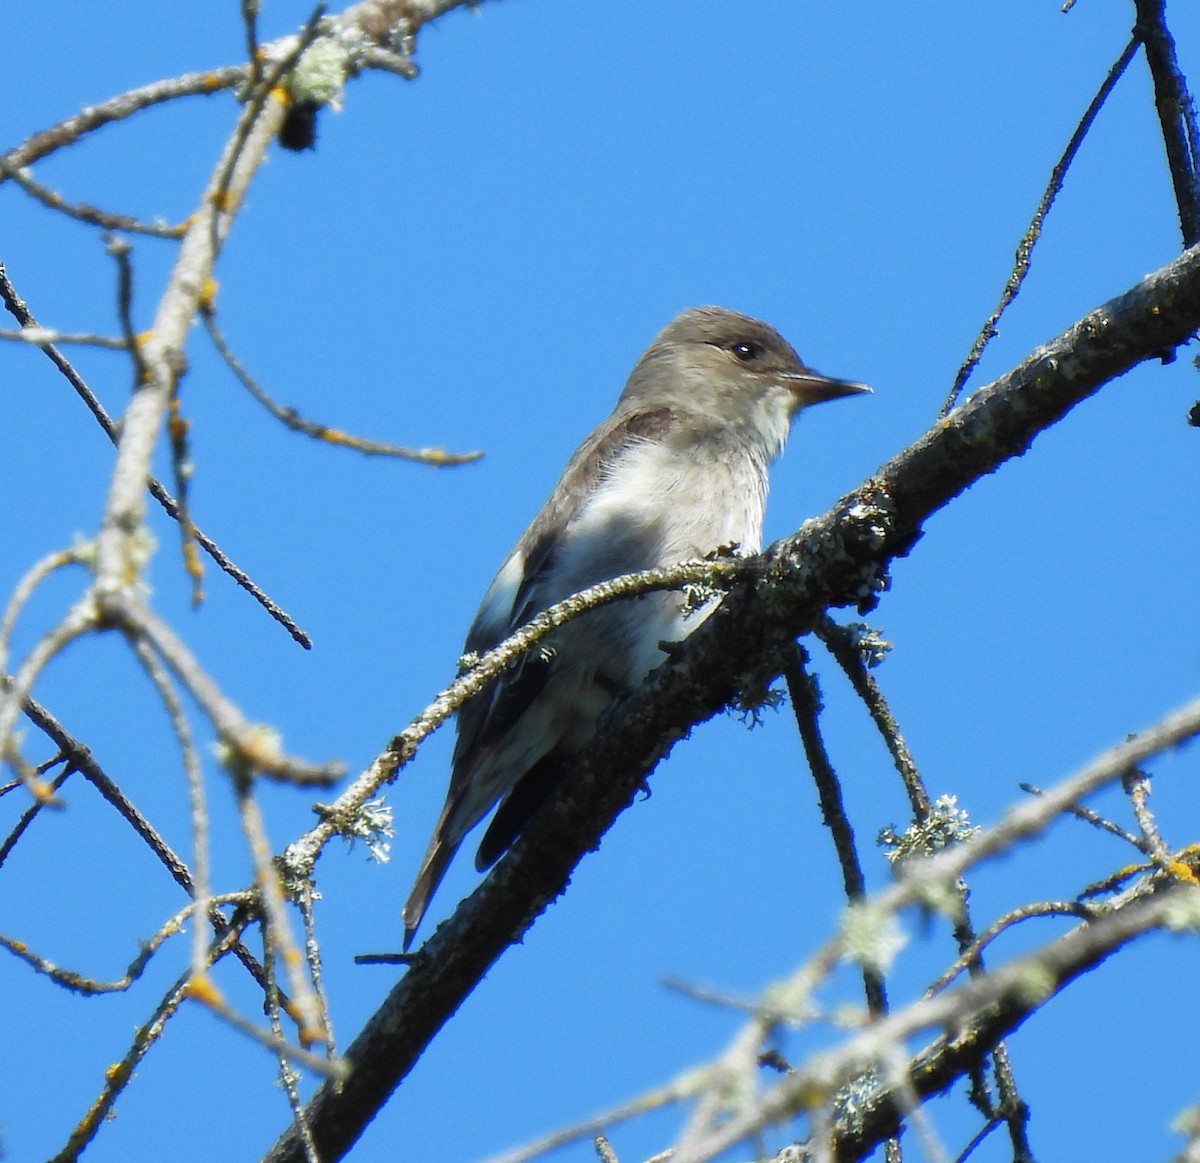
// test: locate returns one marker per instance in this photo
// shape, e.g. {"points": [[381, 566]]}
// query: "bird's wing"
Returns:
{"points": [[525, 585], [522, 588]]}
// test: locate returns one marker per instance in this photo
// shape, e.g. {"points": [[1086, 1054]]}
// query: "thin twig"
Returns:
{"points": [[82, 760], [843, 643], [288, 1075], [46, 337], [978, 1139], [117, 1076], [680, 1090], [197, 807], [182, 469], [1034, 232], [322, 1067], [89, 986], [251, 746], [20, 311], [805, 695], [84, 212], [604, 1150], [721, 999], [25, 588], [116, 108], [120, 250], [970, 956], [297, 423], [13, 692], [301, 854], [1088, 816], [312, 956], [31, 812], [253, 53], [1114, 881], [1013, 1109], [304, 1009], [224, 195], [1176, 113], [390, 62], [1137, 788]]}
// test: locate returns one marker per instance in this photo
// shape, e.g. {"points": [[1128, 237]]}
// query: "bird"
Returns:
{"points": [[676, 472]]}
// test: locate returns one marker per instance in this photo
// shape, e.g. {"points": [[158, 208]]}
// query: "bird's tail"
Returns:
{"points": [[469, 798], [455, 821], [433, 868]]}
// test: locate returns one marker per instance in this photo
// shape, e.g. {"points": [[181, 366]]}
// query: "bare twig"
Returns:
{"points": [[302, 854], [288, 1075], [250, 746], [182, 469], [604, 1150], [970, 956], [722, 999], [253, 52], [32, 811], [991, 1124], [304, 1008], [20, 311], [851, 646], [120, 250], [13, 692], [681, 1090], [90, 986], [805, 696], [116, 108], [25, 588], [84, 212], [1176, 113], [1114, 881], [197, 807], [1084, 813], [390, 62], [297, 423], [1137, 787], [277, 1045], [312, 957], [844, 643], [117, 1076], [45, 337], [226, 190], [82, 760], [1034, 232], [162, 351]]}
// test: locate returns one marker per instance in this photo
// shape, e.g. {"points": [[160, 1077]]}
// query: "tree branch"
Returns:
{"points": [[978, 1015], [840, 558], [1176, 115]]}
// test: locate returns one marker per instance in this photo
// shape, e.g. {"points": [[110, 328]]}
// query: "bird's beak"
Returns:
{"points": [[811, 387]]}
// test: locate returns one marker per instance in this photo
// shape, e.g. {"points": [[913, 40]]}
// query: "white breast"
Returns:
{"points": [[689, 501], [658, 506]]}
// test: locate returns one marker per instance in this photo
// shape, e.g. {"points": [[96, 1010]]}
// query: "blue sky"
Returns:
{"points": [[475, 260]]}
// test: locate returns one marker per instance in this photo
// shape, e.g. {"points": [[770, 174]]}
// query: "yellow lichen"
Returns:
{"points": [[201, 988]]}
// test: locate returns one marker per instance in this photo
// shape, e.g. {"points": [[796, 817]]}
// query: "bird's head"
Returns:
{"points": [[732, 368]]}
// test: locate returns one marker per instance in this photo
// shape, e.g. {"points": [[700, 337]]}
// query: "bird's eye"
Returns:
{"points": [[746, 352]]}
